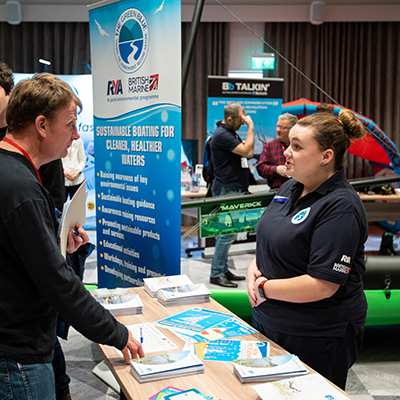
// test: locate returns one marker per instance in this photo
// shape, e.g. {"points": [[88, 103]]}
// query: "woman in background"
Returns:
{"points": [[73, 164]]}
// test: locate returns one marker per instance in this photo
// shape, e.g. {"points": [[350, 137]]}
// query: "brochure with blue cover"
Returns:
{"points": [[268, 368], [229, 328], [194, 320], [229, 350], [191, 394], [168, 365]]}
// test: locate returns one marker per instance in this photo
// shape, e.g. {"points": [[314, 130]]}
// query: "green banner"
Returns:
{"points": [[228, 218]]}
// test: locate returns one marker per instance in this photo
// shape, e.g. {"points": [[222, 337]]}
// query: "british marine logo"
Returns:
{"points": [[301, 216], [131, 40]]}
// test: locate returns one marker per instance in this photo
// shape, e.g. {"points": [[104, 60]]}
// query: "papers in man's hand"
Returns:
{"points": [[74, 213], [169, 365], [185, 294], [308, 387], [268, 368], [118, 301], [152, 285]]}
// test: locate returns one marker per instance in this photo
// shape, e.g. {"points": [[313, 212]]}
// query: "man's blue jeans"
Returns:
{"points": [[219, 265], [26, 381]]}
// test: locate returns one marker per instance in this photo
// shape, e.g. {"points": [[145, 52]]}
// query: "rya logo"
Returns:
{"points": [[114, 87], [346, 259]]}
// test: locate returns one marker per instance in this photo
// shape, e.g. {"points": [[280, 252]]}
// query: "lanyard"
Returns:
{"points": [[17, 146]]}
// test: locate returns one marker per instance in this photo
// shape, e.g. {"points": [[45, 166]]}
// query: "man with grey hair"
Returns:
{"points": [[271, 164], [231, 177]]}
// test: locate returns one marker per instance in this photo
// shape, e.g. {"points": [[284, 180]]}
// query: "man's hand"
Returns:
{"points": [[76, 238], [248, 121], [282, 171], [246, 148], [133, 349]]}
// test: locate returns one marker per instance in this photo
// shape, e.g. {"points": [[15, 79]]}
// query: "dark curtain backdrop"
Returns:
{"points": [[210, 57], [358, 64], [66, 45]]}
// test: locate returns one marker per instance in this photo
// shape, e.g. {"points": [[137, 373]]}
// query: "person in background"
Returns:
{"points": [[37, 283], [74, 164], [325, 107], [6, 85], [306, 281], [271, 164], [231, 177]]}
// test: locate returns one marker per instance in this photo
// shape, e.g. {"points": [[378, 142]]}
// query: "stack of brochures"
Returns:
{"points": [[164, 366], [308, 387], [185, 294], [152, 285], [268, 368], [118, 301]]}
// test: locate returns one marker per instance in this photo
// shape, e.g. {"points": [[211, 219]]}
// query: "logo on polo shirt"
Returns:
{"points": [[301, 216], [344, 269]]}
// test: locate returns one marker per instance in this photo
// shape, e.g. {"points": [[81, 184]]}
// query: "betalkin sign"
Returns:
{"points": [[245, 87]]}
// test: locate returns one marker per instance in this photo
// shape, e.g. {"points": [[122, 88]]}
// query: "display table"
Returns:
{"points": [[218, 379], [189, 194], [381, 207]]}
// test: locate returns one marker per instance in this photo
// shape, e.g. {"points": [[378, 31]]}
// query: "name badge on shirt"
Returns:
{"points": [[280, 199], [244, 162]]}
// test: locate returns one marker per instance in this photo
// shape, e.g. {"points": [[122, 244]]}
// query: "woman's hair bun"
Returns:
{"points": [[352, 126]]}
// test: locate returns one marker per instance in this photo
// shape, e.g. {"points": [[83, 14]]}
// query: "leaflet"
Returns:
{"points": [[229, 350], [194, 320], [307, 387], [229, 328]]}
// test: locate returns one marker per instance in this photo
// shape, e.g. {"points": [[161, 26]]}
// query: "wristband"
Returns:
{"points": [[261, 289]]}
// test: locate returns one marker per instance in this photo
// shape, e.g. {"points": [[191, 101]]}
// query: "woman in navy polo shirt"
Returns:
{"points": [[305, 284]]}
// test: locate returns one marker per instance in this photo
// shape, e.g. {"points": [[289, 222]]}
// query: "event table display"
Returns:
{"points": [[218, 380]]}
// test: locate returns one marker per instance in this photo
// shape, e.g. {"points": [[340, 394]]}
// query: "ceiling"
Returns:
{"points": [[225, 2], [246, 10]]}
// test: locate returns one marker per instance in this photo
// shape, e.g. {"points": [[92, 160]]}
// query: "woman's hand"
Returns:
{"points": [[252, 274], [259, 299], [71, 176]]}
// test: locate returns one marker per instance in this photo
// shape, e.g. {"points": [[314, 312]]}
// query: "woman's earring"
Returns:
{"points": [[322, 163]]}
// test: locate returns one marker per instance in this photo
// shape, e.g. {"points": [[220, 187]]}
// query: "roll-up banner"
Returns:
{"points": [[136, 67], [262, 100]]}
